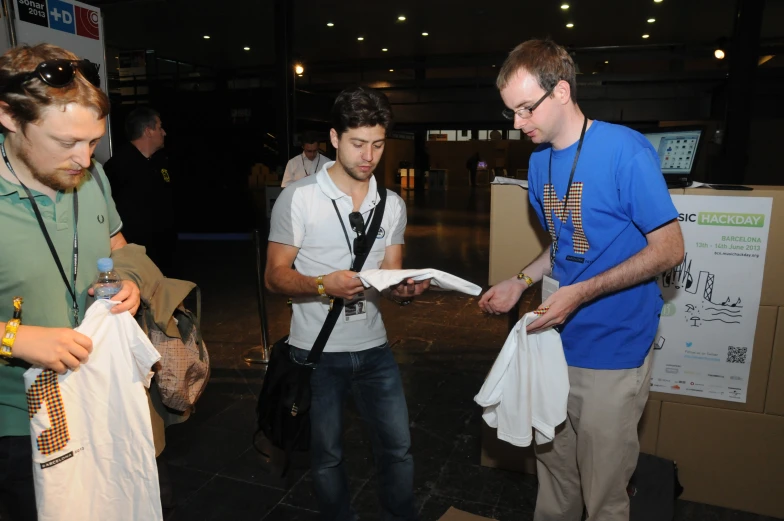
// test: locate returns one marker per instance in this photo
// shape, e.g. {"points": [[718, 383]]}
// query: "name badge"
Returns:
{"points": [[356, 309], [549, 286]]}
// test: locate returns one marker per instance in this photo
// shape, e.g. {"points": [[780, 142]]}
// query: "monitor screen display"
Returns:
{"points": [[482, 165], [676, 149]]}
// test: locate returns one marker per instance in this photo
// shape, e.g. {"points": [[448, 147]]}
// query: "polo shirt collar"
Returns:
{"points": [[332, 191]]}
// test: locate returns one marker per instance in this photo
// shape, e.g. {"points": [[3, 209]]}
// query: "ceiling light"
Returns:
{"points": [[299, 69], [384, 49], [246, 48], [493, 65], [361, 39], [564, 6], [646, 35], [206, 37], [657, 1], [569, 25], [651, 20], [425, 34], [391, 70], [606, 61], [401, 18], [300, 75], [330, 24], [719, 54]]}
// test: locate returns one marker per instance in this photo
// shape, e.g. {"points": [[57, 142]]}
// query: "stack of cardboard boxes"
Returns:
{"points": [[261, 176], [728, 454]]}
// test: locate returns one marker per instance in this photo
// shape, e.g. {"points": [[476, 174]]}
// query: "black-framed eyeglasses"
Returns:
{"points": [[525, 113], [357, 223], [58, 73]]}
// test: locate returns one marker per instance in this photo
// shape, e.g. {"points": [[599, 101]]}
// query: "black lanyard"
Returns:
{"points": [[317, 164], [37, 212], [562, 217], [345, 232]]}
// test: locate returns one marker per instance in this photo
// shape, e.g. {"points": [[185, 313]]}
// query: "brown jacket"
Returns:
{"points": [[162, 295]]}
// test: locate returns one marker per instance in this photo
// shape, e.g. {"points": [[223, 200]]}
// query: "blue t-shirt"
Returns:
{"points": [[618, 195]]}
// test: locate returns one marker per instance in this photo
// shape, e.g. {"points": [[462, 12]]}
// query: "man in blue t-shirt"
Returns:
{"points": [[597, 188]]}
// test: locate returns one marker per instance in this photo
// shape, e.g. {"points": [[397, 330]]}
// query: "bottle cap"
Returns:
{"points": [[105, 264]]}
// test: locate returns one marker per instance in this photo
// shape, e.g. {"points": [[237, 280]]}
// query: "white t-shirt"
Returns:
{"points": [[527, 387], [383, 279], [300, 166], [93, 450], [304, 217]]}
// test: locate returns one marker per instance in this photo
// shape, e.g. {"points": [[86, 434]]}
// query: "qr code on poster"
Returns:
{"points": [[737, 355]]}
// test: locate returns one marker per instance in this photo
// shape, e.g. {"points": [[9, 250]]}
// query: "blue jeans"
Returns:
{"points": [[373, 379]]}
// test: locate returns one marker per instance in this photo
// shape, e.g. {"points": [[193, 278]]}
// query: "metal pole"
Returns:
{"points": [[8, 11], [259, 354]]}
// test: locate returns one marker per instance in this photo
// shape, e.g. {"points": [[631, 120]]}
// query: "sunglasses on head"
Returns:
{"points": [[59, 73]]}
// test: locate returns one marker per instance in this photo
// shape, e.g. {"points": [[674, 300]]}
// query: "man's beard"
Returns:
{"points": [[355, 173], [57, 180]]}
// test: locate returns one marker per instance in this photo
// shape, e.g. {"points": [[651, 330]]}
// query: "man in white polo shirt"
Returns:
{"points": [[310, 229], [308, 163]]}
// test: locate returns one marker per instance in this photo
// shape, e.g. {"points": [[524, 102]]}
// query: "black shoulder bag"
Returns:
{"points": [[284, 402]]}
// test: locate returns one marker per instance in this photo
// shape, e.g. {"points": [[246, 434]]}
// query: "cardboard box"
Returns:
{"points": [[774, 400], [454, 514], [648, 429], [502, 455], [516, 237], [731, 459], [758, 373], [773, 278]]}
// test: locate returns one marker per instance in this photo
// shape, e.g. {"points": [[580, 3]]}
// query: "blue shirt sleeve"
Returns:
{"points": [[643, 192]]}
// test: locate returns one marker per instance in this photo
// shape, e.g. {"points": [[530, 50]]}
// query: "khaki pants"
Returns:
{"points": [[595, 451]]}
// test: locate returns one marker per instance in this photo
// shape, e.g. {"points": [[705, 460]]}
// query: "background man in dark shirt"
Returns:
{"points": [[142, 187]]}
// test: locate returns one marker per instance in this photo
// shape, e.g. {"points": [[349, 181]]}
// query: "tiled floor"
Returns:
{"points": [[444, 346]]}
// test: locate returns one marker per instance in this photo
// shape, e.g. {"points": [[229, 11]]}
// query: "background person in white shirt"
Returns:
{"points": [[305, 164], [310, 229]]}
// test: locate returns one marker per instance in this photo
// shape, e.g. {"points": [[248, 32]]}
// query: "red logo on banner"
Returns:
{"points": [[87, 23]]}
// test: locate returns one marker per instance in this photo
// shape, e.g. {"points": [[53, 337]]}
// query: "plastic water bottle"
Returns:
{"points": [[107, 284]]}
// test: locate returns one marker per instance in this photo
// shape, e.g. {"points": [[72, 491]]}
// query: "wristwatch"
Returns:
{"points": [[528, 280]]}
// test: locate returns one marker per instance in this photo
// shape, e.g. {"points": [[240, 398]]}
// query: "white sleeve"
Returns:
{"points": [[288, 174]]}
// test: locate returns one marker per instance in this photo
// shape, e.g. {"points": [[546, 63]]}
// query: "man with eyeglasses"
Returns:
{"points": [[318, 225], [52, 115], [597, 188], [307, 163]]}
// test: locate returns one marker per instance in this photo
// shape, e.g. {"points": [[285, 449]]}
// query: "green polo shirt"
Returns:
{"points": [[27, 269]]}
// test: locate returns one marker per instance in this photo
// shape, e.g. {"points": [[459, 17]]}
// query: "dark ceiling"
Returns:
{"points": [[175, 28]]}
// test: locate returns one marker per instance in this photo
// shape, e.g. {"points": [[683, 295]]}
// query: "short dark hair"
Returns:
{"points": [[547, 61], [309, 137], [361, 107], [139, 120], [28, 102]]}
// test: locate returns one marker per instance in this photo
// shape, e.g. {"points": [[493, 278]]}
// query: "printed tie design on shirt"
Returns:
{"points": [[554, 205], [46, 388]]}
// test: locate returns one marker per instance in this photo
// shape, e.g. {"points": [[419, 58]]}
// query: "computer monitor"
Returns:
{"points": [[677, 148], [482, 165]]}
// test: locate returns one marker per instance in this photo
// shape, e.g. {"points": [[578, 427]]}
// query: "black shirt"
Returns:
{"points": [[142, 191]]}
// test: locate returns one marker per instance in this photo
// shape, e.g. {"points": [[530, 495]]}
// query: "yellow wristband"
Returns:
{"points": [[528, 280], [7, 344], [321, 291]]}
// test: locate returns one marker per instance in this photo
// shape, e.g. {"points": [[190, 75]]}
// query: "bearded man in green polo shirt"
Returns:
{"points": [[53, 114]]}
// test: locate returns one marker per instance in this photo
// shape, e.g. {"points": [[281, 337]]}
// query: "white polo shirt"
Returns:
{"points": [[300, 166], [304, 217]]}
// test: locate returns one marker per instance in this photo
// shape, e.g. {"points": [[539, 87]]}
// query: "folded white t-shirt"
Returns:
{"points": [[383, 279], [528, 386]]}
